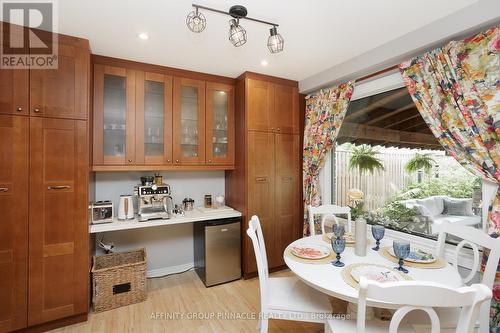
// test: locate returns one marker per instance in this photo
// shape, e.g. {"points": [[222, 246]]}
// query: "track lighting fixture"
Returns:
{"points": [[196, 22]]}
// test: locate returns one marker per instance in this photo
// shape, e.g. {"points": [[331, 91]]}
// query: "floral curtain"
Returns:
{"points": [[325, 112], [456, 88]]}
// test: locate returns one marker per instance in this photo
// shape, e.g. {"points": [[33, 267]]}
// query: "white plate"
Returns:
{"points": [[377, 273], [416, 256], [310, 251]]}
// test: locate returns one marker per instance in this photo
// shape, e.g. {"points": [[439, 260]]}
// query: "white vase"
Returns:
{"points": [[360, 237]]}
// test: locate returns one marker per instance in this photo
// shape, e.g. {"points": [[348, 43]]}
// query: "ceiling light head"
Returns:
{"points": [[196, 21], [237, 34], [275, 42], [143, 35]]}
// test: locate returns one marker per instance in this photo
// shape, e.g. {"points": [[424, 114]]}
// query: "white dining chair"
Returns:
{"points": [[411, 296], [285, 298], [477, 240], [328, 211]]}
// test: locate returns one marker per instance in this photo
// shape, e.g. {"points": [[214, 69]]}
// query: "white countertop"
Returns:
{"points": [[192, 216]]}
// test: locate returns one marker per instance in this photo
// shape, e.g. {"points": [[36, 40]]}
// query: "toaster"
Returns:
{"points": [[101, 212]]}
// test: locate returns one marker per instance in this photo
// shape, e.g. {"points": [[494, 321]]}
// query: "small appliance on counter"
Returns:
{"points": [[126, 207], [187, 204], [101, 212], [154, 201]]}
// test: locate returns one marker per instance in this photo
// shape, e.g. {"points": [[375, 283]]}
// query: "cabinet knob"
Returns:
{"points": [[19, 109], [168, 161], [36, 110], [209, 161], [130, 161], [278, 129], [176, 161], [272, 128]]}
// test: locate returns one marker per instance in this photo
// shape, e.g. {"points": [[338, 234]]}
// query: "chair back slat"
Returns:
{"points": [[328, 211], [421, 295], [254, 231]]}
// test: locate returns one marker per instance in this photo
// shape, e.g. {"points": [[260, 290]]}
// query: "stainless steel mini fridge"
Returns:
{"points": [[217, 250]]}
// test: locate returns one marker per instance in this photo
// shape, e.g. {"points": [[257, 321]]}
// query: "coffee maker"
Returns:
{"points": [[153, 201]]}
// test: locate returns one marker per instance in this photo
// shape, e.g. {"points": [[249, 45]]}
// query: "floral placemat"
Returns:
{"points": [[322, 261], [439, 263], [347, 276]]}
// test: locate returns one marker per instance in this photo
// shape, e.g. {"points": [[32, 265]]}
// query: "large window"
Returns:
{"points": [[388, 167]]}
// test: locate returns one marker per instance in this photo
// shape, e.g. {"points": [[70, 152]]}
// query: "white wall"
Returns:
{"points": [[169, 248]]}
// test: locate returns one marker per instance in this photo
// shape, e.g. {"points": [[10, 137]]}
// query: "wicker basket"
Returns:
{"points": [[119, 279]]}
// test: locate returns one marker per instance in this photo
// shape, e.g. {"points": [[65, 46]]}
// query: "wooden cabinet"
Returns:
{"points": [[62, 92], [14, 175], [44, 167], [153, 119], [260, 104], [147, 119], [261, 189], [286, 98], [14, 91], [189, 121], [56, 93], [114, 116], [268, 174], [269, 106], [219, 124], [287, 192], [58, 230]]}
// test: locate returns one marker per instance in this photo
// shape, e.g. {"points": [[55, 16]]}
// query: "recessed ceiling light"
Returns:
{"points": [[264, 63], [143, 36]]}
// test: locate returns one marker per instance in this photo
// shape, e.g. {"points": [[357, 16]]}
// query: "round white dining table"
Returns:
{"points": [[328, 278]]}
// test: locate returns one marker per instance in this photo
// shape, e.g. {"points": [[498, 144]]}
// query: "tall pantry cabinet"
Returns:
{"points": [[267, 178], [44, 165]]}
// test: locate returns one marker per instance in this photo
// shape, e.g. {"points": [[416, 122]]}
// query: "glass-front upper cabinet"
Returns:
{"points": [[219, 124], [189, 122], [153, 118], [114, 115]]}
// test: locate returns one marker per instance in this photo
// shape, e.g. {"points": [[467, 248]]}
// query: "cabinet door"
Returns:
{"points": [[287, 192], [62, 92], [58, 227], [260, 104], [114, 116], [153, 119], [14, 91], [189, 121], [285, 118], [261, 192], [220, 124], [14, 140]]}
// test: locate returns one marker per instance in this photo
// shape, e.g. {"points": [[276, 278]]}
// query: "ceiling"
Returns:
{"points": [[318, 34]]}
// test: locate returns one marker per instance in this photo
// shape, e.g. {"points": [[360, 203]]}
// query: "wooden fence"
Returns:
{"points": [[380, 186]]}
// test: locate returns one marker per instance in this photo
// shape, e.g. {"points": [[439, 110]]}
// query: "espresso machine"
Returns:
{"points": [[153, 202]]}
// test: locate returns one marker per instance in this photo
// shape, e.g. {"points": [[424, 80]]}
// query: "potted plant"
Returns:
{"points": [[419, 163]]}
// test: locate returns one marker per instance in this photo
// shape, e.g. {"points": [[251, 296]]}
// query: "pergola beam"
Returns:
{"points": [[386, 115], [380, 103], [372, 133]]}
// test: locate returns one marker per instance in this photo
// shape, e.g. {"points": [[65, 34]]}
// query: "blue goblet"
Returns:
{"points": [[378, 232], [338, 230], [338, 245], [401, 251]]}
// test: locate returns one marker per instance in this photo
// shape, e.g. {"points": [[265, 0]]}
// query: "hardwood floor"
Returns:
{"points": [[185, 294]]}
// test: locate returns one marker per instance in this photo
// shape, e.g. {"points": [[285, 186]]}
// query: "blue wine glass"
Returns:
{"points": [[338, 245], [338, 230], [402, 251], [378, 232]]}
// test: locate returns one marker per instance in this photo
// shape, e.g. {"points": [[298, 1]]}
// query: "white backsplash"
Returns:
{"points": [[193, 184], [169, 248]]}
